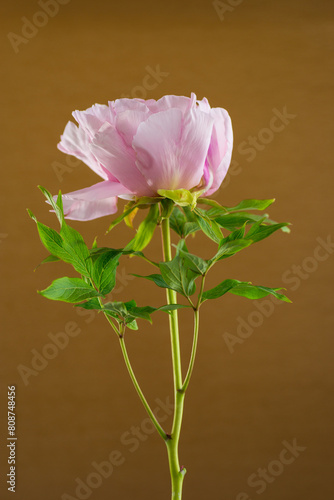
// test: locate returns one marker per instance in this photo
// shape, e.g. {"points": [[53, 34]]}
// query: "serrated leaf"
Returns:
{"points": [[69, 290], [145, 231]]}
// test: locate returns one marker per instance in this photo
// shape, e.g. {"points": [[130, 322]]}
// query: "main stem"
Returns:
{"points": [[177, 474]]}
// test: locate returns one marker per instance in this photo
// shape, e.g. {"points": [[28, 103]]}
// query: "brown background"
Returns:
{"points": [[276, 385]]}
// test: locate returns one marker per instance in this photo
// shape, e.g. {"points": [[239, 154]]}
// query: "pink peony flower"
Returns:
{"points": [[138, 147]]}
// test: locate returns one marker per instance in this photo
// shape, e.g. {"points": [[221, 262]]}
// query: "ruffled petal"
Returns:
{"points": [[111, 150], [92, 119], [171, 149], [75, 142], [93, 202], [172, 101]]}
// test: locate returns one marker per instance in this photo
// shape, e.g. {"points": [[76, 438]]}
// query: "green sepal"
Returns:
{"points": [[181, 197], [145, 231]]}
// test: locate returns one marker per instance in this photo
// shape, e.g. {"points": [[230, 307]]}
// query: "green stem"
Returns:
{"points": [[120, 334], [177, 474], [195, 339], [139, 391], [193, 351]]}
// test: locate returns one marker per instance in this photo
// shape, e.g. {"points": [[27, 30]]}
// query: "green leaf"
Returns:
{"points": [[258, 292], [183, 223], [209, 227], [77, 249], [132, 324], [69, 245], [243, 289], [219, 290], [178, 277], [50, 258], [238, 219], [145, 230], [212, 203], [177, 221], [229, 248], [193, 262], [93, 303], [104, 270], [251, 205], [167, 207], [260, 231], [57, 206], [156, 278], [69, 290], [126, 213]]}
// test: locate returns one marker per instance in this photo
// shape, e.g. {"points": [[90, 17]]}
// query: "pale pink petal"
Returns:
{"points": [[75, 142], [111, 150], [220, 150], [171, 149], [92, 119], [204, 105], [127, 123], [172, 101], [128, 104], [93, 202]]}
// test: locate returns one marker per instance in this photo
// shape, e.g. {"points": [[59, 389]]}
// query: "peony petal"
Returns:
{"points": [[127, 123], [171, 150], [128, 104], [172, 101], [111, 150], [75, 142], [92, 119], [220, 150], [93, 202]]}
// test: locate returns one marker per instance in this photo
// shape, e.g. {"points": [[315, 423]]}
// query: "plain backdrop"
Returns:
{"points": [[255, 387]]}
